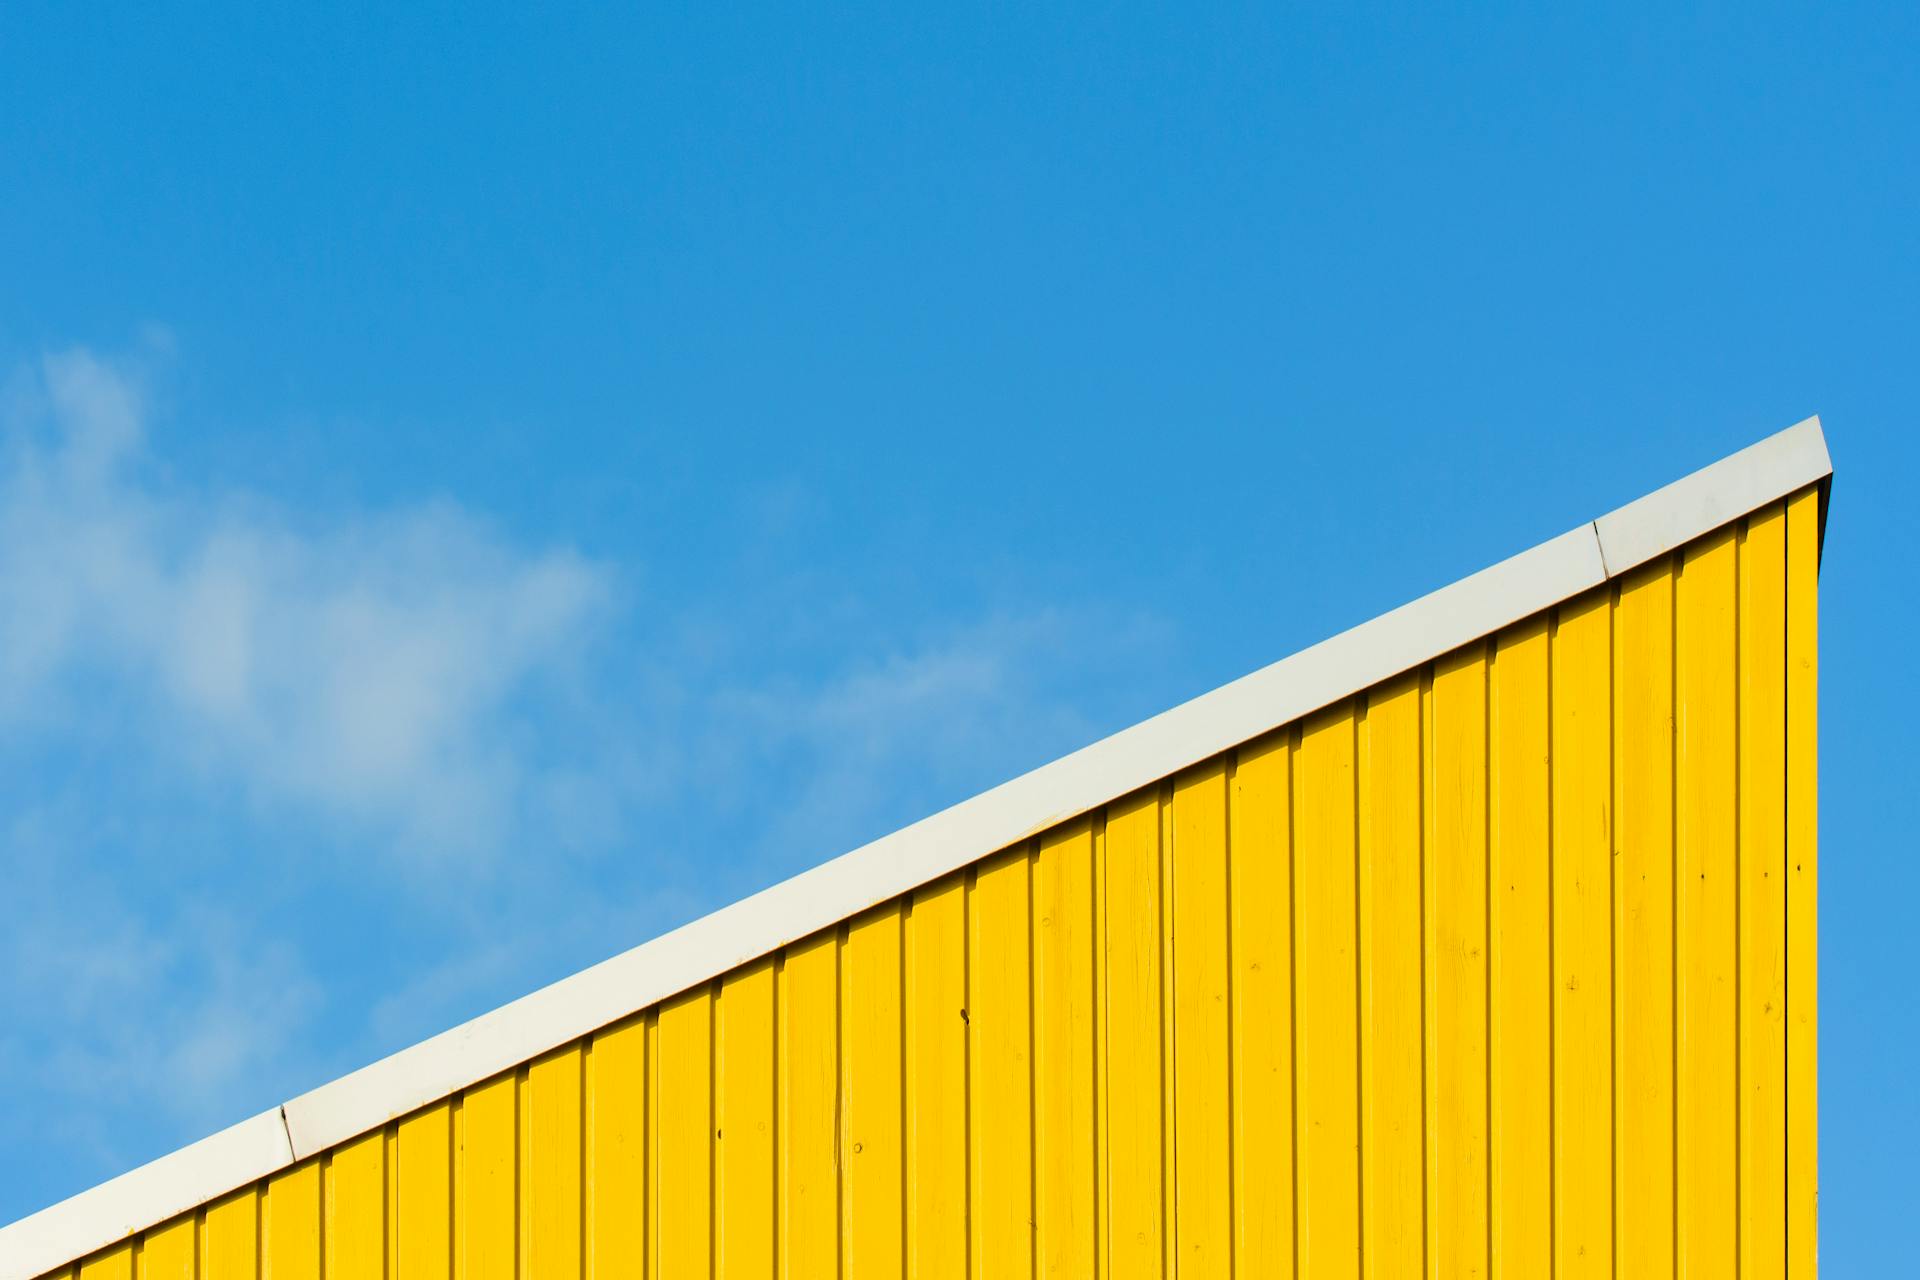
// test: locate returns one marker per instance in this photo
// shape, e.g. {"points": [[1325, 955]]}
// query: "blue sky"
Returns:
{"points": [[479, 487]]}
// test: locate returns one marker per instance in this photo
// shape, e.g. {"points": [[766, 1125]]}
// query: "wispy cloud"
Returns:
{"points": [[184, 674], [892, 734], [289, 790], [363, 667]]}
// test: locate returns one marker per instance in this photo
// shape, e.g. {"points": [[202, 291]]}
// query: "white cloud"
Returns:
{"points": [[413, 691], [892, 736], [363, 668]]}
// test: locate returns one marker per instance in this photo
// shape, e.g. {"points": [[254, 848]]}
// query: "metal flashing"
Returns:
{"points": [[154, 1192], [1741, 482]]}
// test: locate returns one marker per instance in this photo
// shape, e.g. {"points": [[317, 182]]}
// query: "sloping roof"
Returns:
{"points": [[1407, 637]]}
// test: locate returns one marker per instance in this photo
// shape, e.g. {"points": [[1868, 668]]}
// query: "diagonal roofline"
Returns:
{"points": [[1315, 677]]}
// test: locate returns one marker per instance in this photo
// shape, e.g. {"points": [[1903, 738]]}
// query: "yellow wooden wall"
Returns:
{"points": [[1501, 969]]}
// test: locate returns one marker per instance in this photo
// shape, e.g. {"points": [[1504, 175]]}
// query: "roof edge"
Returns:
{"points": [[1276, 695], [118, 1209], [1725, 490], [953, 838]]}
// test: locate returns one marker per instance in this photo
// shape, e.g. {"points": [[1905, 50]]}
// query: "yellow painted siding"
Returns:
{"points": [[1135, 1075], [231, 1238], [1063, 1021], [1803, 863], [354, 1186], [168, 1252], [809, 1110], [1202, 1051], [1643, 920], [936, 1084], [1000, 1044], [1260, 862], [616, 1159], [1520, 1038], [1458, 1147], [487, 1143], [1392, 985], [290, 1224], [1760, 888], [1326, 1026], [744, 1126], [111, 1264], [424, 1154], [1582, 926], [1705, 724], [873, 1199], [684, 1200], [1503, 968]]}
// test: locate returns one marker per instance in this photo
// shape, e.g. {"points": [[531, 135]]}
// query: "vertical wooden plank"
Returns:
{"points": [[1260, 862], [1169, 1174], [390, 1152], [355, 1182], [809, 1100], [686, 1136], [1583, 936], [653, 1144], [232, 1240], [523, 1174], [999, 1025], [458, 1182], [551, 1171], [936, 1099], [1063, 1021], [112, 1264], [1392, 1057], [1456, 778], [744, 1127], [1326, 1013], [873, 1196], [290, 1224], [1803, 882], [1643, 913], [1102, 1241], [1203, 1053], [1429, 944], [424, 1222], [485, 1214], [617, 1152], [1135, 1152], [1762, 910], [168, 1252], [1707, 809], [1520, 1002]]}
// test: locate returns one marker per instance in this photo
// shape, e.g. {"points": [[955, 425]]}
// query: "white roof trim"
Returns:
{"points": [[1276, 695], [149, 1195], [1711, 496]]}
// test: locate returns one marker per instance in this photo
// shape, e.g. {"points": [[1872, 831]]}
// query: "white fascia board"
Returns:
{"points": [[699, 952], [153, 1193], [933, 847], [1712, 496]]}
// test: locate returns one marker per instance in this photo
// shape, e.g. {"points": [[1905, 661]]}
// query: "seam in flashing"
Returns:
{"points": [[1600, 545]]}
